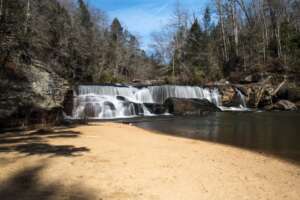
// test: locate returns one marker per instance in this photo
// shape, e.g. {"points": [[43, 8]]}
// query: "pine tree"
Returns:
{"points": [[207, 20], [116, 47], [116, 30], [84, 14], [196, 57]]}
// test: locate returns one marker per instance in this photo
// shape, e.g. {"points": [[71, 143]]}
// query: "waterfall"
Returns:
{"points": [[109, 102], [242, 98], [242, 102], [144, 96], [162, 93], [112, 91], [102, 107]]}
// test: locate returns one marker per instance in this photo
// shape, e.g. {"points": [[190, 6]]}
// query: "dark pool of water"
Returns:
{"points": [[277, 133]]}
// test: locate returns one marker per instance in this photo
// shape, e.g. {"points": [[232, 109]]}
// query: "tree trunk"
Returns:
{"points": [[1, 8], [264, 47], [173, 69], [278, 37], [27, 16], [235, 27], [243, 7], [220, 11], [265, 34]]}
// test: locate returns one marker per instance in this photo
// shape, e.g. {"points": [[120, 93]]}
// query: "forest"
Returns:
{"points": [[230, 40], [73, 39]]}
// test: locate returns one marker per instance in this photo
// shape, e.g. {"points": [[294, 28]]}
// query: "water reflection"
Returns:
{"points": [[272, 132]]}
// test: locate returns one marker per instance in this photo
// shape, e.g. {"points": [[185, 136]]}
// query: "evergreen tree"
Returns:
{"points": [[116, 30], [195, 55], [85, 16], [207, 20]]}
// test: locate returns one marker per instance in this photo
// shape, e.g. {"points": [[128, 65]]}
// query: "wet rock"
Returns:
{"points": [[110, 105], [285, 105], [228, 94], [132, 108], [91, 110], [269, 108], [138, 108], [157, 109], [121, 98], [257, 95], [179, 106], [231, 96]]}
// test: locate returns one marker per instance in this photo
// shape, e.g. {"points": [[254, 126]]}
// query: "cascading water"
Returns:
{"points": [[242, 103], [108, 102], [162, 93], [242, 99], [102, 107]]}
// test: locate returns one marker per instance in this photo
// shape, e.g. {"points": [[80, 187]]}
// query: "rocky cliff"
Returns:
{"points": [[30, 93]]}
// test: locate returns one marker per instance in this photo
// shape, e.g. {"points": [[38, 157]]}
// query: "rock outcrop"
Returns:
{"points": [[284, 105], [261, 92], [184, 107], [231, 96], [30, 92]]}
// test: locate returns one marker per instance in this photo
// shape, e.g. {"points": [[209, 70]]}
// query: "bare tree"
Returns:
{"points": [[161, 46], [28, 15], [233, 10], [222, 23], [179, 25], [1, 8]]}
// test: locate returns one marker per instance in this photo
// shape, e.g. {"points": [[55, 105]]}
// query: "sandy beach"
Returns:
{"points": [[119, 162]]}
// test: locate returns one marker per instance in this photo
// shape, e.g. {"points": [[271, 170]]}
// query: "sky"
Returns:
{"points": [[143, 17]]}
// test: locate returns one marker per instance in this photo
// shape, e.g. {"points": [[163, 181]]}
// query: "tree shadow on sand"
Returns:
{"points": [[27, 185], [36, 143]]}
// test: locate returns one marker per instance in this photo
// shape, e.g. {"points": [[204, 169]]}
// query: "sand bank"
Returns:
{"points": [[117, 161]]}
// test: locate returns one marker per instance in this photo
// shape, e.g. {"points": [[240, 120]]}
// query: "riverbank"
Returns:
{"points": [[117, 161]]}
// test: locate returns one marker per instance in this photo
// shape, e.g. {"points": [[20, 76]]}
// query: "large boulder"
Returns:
{"points": [[228, 94], [154, 108], [178, 106], [285, 105]]}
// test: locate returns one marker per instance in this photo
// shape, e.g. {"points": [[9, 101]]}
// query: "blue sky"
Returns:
{"points": [[142, 17]]}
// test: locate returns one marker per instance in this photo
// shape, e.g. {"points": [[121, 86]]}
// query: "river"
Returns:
{"points": [[275, 133]]}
